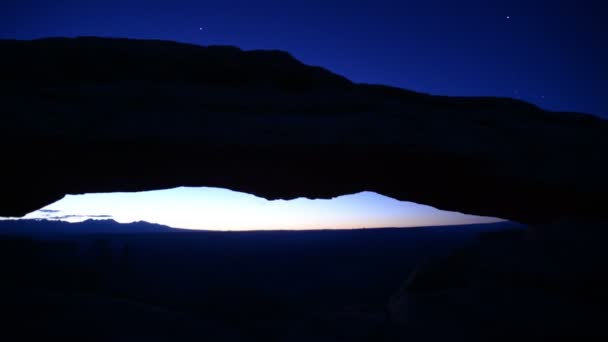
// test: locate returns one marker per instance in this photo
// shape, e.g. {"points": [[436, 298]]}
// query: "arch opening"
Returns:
{"points": [[205, 208]]}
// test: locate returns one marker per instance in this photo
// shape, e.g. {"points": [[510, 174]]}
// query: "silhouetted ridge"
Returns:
{"points": [[91, 226], [92, 59]]}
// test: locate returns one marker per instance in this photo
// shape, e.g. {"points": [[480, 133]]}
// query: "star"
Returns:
{"points": [[508, 17], [200, 28]]}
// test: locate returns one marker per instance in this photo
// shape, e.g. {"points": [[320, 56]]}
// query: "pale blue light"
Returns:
{"points": [[221, 209]]}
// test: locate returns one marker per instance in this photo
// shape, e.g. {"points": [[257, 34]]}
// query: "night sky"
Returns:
{"points": [[550, 53]]}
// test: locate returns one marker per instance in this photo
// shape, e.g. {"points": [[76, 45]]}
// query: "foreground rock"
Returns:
{"points": [[101, 115], [509, 287]]}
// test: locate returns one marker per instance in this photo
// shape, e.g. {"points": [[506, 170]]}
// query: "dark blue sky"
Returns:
{"points": [[551, 53]]}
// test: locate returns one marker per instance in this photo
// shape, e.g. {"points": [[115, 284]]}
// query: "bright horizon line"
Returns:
{"points": [[221, 209], [250, 230]]}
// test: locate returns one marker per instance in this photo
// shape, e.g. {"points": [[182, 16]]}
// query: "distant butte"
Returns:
{"points": [[101, 115]]}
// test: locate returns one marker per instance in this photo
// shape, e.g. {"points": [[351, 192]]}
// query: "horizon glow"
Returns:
{"points": [[221, 209]]}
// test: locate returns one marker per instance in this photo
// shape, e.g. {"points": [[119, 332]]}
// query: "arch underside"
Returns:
{"points": [[107, 115]]}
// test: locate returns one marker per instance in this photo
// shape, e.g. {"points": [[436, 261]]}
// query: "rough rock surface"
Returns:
{"points": [[100, 115]]}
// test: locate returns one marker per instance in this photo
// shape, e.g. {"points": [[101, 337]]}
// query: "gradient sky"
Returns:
{"points": [[221, 209], [549, 52]]}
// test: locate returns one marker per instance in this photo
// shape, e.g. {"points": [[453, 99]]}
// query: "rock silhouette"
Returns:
{"points": [[102, 115]]}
